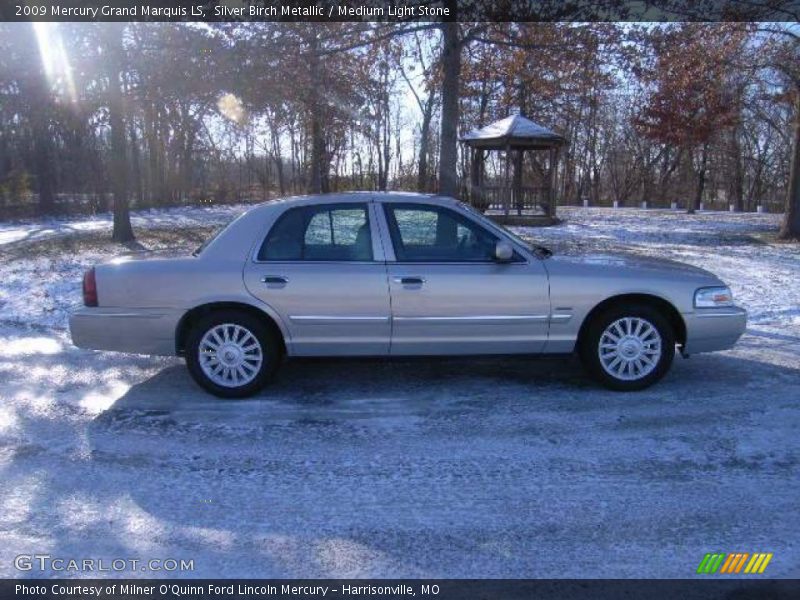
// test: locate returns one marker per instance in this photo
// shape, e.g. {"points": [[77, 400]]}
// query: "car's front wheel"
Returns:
{"points": [[231, 353], [628, 348]]}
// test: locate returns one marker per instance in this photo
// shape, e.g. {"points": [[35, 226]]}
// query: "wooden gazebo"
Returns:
{"points": [[509, 199]]}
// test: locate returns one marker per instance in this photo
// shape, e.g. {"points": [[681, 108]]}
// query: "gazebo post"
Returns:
{"points": [[507, 183], [551, 200], [481, 177], [518, 162], [470, 198], [474, 178]]}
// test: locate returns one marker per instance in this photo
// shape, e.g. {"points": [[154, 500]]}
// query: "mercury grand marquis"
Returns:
{"points": [[395, 274]]}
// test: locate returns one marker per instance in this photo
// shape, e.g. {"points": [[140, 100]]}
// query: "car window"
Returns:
{"points": [[423, 233], [319, 231], [538, 248], [328, 232]]}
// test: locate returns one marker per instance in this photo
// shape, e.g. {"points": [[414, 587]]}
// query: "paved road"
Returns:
{"points": [[452, 468]]}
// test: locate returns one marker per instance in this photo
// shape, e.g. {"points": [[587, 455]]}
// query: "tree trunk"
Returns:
{"points": [[123, 232], [422, 166], [187, 152], [790, 228], [317, 141], [737, 182], [701, 182], [276, 151], [151, 139], [281, 176], [36, 88], [451, 75], [136, 165], [663, 177], [45, 176], [387, 141]]}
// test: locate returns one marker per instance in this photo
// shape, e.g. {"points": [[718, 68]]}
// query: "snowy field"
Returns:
{"points": [[414, 468]]}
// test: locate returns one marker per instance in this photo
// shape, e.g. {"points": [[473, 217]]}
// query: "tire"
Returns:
{"points": [[642, 353], [223, 350]]}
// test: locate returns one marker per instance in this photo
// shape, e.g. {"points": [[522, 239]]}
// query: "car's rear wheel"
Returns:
{"points": [[628, 348], [231, 353]]}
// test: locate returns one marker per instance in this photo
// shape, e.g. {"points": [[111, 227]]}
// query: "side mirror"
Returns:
{"points": [[503, 251]]}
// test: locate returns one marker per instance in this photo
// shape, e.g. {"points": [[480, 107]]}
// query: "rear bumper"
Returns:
{"points": [[713, 329], [137, 331]]}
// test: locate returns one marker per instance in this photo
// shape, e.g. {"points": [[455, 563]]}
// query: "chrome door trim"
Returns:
{"points": [[560, 318], [716, 315], [317, 262], [322, 319], [475, 319], [462, 262], [126, 315]]}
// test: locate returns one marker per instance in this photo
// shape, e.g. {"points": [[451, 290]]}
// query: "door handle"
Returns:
{"points": [[409, 280], [275, 280]]}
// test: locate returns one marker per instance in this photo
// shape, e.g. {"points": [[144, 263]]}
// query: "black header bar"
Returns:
{"points": [[419, 589], [388, 11]]}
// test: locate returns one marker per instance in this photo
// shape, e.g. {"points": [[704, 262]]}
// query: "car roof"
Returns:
{"points": [[345, 197], [239, 235]]}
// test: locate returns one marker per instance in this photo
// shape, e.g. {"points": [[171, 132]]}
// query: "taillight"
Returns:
{"points": [[89, 288]]}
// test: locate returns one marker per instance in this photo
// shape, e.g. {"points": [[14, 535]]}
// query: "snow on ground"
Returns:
{"points": [[502, 467], [179, 216], [45, 261]]}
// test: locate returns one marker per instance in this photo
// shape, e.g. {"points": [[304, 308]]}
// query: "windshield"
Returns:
{"points": [[522, 242]]}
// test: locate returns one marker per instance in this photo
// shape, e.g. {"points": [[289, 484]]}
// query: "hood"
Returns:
{"points": [[635, 262]]}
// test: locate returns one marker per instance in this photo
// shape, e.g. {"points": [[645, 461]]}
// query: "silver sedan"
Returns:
{"points": [[377, 274]]}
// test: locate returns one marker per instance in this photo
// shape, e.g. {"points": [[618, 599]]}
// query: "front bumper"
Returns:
{"points": [[137, 331], [710, 329]]}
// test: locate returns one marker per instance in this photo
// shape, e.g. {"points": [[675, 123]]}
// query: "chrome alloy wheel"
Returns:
{"points": [[629, 348], [230, 355]]}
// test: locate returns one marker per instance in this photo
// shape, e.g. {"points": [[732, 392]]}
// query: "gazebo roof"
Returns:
{"points": [[515, 131]]}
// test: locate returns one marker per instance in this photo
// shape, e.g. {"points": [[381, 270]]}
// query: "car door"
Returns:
{"points": [[321, 267], [450, 296]]}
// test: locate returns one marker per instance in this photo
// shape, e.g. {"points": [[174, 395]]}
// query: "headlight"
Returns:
{"points": [[713, 297]]}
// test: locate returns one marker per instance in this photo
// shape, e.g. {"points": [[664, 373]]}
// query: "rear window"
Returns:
{"points": [[334, 232]]}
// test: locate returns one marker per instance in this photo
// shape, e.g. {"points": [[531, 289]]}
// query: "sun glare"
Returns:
{"points": [[232, 108], [55, 59]]}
